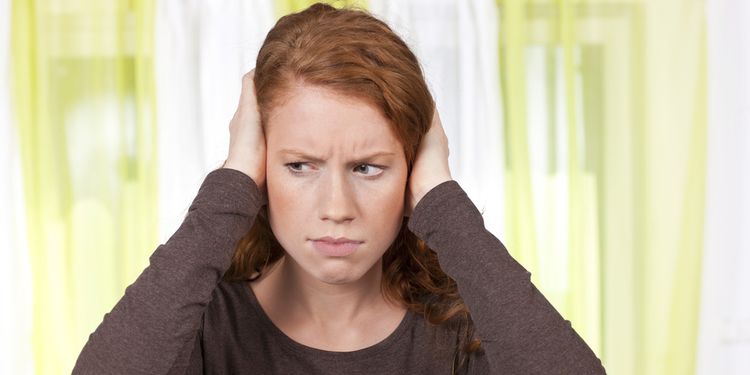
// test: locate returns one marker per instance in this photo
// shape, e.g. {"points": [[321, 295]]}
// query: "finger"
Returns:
{"points": [[436, 121], [247, 96]]}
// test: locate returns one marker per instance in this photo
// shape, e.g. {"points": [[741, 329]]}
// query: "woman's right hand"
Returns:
{"points": [[247, 143]]}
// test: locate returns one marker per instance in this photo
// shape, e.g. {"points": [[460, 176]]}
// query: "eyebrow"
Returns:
{"points": [[318, 159]]}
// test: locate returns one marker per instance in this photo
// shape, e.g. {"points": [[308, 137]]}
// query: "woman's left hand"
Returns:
{"points": [[430, 165]]}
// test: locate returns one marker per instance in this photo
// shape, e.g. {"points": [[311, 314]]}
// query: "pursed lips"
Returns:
{"points": [[339, 240]]}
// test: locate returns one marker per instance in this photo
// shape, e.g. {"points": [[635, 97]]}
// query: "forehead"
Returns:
{"points": [[316, 117]]}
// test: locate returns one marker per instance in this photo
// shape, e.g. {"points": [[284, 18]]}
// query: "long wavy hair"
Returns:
{"points": [[353, 53]]}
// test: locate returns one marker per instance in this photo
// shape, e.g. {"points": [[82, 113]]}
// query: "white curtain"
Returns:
{"points": [[15, 269], [456, 43], [724, 337], [202, 50]]}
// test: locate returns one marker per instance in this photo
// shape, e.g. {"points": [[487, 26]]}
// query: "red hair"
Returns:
{"points": [[353, 53]]}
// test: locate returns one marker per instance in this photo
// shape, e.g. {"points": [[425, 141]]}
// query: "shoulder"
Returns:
{"points": [[230, 305], [446, 341], [445, 334]]}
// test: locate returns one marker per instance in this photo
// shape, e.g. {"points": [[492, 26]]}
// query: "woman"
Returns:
{"points": [[334, 239]]}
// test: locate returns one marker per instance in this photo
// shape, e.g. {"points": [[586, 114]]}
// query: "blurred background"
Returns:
{"points": [[606, 141]]}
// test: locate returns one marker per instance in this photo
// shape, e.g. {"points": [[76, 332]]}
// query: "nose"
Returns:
{"points": [[337, 201]]}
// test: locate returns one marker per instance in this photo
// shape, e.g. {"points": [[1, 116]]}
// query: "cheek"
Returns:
{"points": [[285, 206], [387, 199], [385, 209]]}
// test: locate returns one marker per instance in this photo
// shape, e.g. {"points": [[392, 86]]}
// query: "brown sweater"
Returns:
{"points": [[179, 317]]}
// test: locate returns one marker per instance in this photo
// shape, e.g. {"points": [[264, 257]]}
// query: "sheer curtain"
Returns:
{"points": [[580, 128], [724, 340], [202, 50], [15, 270], [456, 43], [82, 95], [605, 142]]}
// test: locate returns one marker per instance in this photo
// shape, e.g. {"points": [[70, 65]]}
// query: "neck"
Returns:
{"points": [[309, 300]]}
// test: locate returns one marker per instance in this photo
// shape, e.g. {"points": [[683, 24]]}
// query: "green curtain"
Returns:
{"points": [[611, 226], [83, 96], [283, 7]]}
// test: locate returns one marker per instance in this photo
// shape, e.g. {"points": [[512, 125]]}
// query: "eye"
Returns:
{"points": [[369, 168], [295, 167]]}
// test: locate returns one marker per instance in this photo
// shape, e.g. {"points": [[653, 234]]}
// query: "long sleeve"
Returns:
{"points": [[160, 314], [521, 332]]}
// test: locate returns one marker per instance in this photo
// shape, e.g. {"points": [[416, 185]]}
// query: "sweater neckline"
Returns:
{"points": [[376, 349]]}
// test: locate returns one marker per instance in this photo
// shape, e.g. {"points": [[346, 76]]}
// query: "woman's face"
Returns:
{"points": [[334, 169]]}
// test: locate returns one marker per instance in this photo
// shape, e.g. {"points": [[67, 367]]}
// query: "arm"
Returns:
{"points": [[521, 332], [160, 313]]}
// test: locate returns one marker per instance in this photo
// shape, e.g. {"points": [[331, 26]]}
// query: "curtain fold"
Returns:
{"points": [[606, 122], [578, 128], [15, 271], [282, 7], [456, 44], [724, 336], [202, 51], [84, 110]]}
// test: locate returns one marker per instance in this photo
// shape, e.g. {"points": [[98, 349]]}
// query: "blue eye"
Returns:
{"points": [[370, 167], [293, 167], [368, 170]]}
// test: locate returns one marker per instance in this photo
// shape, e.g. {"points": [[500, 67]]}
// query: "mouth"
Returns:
{"points": [[339, 247], [336, 240]]}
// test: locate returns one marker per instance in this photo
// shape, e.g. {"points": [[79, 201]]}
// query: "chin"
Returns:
{"points": [[333, 271], [337, 280], [337, 275]]}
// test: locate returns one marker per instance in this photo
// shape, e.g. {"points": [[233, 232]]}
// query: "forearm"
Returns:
{"points": [[520, 330], [161, 311]]}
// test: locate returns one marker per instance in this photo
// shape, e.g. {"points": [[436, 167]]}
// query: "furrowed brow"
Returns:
{"points": [[300, 155], [303, 155]]}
